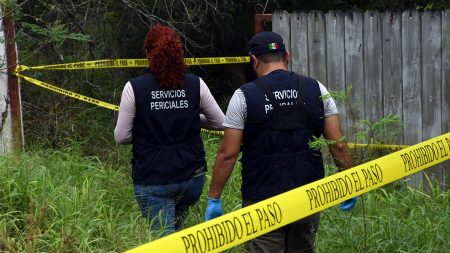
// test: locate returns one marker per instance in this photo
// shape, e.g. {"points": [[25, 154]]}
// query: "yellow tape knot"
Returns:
{"points": [[19, 69]]}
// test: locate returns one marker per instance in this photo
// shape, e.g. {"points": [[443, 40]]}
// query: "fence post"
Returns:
{"points": [[11, 131]]}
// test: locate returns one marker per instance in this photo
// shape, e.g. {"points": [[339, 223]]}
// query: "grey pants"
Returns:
{"points": [[297, 237]]}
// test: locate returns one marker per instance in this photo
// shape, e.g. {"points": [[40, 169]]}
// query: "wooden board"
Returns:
{"points": [[445, 111], [412, 85], [316, 46], [299, 43], [281, 25], [431, 83], [392, 72], [335, 49], [354, 71], [373, 55]]}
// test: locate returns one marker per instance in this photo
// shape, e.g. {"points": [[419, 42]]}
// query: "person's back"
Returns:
{"points": [[274, 118], [167, 147], [160, 114], [276, 156]]}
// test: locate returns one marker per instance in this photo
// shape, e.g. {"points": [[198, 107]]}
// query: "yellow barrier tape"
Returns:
{"points": [[377, 146], [212, 131], [132, 63], [116, 108], [217, 60], [351, 145], [69, 93], [247, 223]]}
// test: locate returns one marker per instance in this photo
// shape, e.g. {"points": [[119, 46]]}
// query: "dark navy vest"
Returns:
{"points": [[167, 147], [275, 153]]}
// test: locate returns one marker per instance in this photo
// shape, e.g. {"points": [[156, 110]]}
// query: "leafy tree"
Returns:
{"points": [[61, 31]]}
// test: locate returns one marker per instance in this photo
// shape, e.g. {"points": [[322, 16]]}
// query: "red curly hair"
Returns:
{"points": [[165, 56]]}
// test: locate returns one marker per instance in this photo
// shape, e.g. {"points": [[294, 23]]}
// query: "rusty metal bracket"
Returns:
{"points": [[261, 20]]}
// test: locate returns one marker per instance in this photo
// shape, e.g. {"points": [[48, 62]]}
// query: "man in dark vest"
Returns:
{"points": [[272, 120]]}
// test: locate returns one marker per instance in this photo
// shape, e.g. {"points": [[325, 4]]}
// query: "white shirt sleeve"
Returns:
{"points": [[236, 111], [329, 106], [212, 116], [127, 112]]}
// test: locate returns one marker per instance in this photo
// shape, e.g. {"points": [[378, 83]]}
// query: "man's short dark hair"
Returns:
{"points": [[272, 57]]}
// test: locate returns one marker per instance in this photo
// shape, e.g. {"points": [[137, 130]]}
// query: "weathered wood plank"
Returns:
{"points": [[445, 107], [354, 72], [445, 71], [335, 49], [281, 25], [373, 105], [299, 43], [431, 82], [385, 58], [392, 72], [316, 46], [412, 85]]}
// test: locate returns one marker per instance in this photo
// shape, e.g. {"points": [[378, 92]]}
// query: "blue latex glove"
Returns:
{"points": [[348, 204], [213, 209]]}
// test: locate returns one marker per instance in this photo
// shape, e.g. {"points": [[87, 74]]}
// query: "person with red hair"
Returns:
{"points": [[161, 113]]}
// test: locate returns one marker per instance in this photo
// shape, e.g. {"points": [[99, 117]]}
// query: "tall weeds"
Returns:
{"points": [[64, 201]]}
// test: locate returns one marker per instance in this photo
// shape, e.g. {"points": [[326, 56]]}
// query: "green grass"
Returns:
{"points": [[63, 201]]}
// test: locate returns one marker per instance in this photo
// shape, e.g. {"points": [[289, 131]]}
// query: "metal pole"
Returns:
{"points": [[13, 82]]}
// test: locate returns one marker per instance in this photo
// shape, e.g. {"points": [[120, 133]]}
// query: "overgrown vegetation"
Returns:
{"points": [[71, 190], [64, 201], [52, 32]]}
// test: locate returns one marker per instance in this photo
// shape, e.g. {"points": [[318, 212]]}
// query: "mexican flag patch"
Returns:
{"points": [[273, 46]]}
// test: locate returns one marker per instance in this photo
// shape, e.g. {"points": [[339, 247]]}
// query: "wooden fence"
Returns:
{"points": [[389, 62]]}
